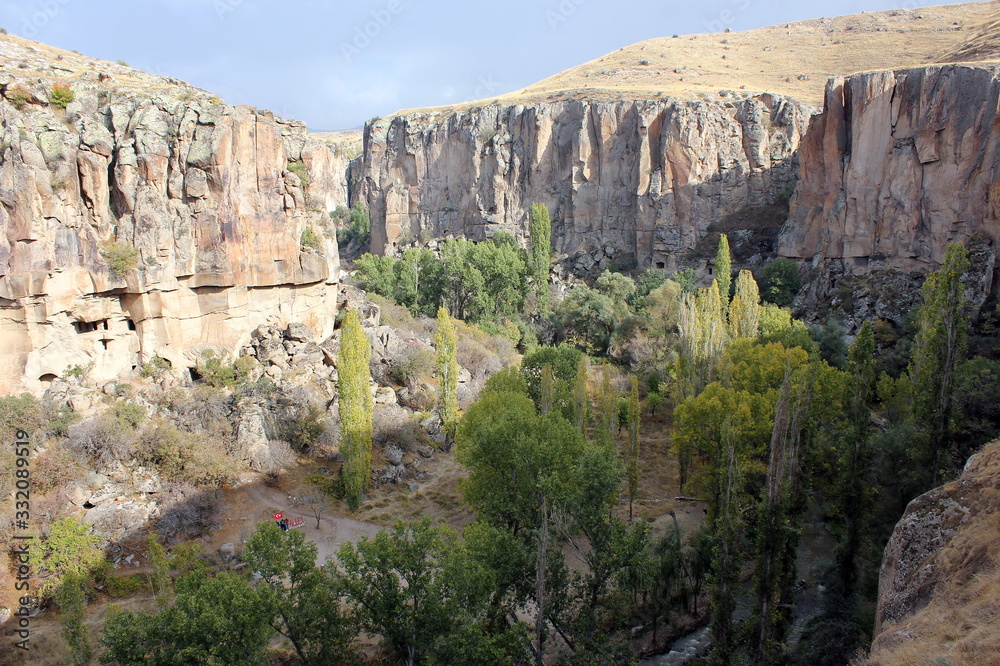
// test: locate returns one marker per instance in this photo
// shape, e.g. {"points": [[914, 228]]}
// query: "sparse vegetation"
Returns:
{"points": [[310, 238], [300, 170], [61, 95], [19, 96], [120, 257]]}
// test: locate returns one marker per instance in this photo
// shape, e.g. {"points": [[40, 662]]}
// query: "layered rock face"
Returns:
{"points": [[645, 178], [939, 583], [201, 205], [898, 166]]}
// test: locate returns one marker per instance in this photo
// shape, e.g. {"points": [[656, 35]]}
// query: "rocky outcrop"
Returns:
{"points": [[899, 165], [939, 585], [641, 178], [147, 218]]}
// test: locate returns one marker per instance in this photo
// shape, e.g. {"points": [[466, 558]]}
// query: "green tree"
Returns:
{"points": [[356, 407], [417, 588], [724, 270], [304, 600], [67, 548], [219, 620], [548, 390], [633, 443], [72, 599], [856, 457], [939, 348], [581, 400], [780, 281], [447, 368], [540, 231], [588, 318]]}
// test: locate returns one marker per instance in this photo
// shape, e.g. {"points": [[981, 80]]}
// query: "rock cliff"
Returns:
{"points": [[898, 165], [145, 217], [641, 178], [939, 588]]}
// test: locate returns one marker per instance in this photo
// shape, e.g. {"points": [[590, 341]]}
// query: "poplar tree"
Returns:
{"points": [[447, 368], [744, 311], [939, 347], [540, 230], [356, 405], [548, 390], [633, 441], [724, 270], [580, 395]]}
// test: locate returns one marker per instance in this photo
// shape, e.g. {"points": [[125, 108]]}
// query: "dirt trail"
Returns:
{"points": [[259, 503]]}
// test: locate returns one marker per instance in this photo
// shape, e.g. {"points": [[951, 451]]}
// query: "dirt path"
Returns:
{"points": [[259, 503]]}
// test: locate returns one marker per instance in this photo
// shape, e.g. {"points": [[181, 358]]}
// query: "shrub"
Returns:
{"points": [[411, 364], [19, 96], [300, 170], [188, 512], [217, 371], [59, 464], [306, 428], [19, 412], [780, 282], [155, 367], [61, 95], [310, 238], [121, 258]]}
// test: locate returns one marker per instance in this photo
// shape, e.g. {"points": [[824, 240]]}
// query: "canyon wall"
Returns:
{"points": [[899, 165], [200, 205], [645, 178], [939, 586]]}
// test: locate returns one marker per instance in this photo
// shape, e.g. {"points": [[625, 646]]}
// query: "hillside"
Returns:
{"points": [[791, 59]]}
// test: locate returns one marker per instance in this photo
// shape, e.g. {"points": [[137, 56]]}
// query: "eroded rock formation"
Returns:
{"points": [[645, 178], [898, 165], [202, 204], [939, 579]]}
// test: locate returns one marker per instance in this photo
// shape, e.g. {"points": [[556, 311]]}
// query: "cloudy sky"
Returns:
{"points": [[336, 63]]}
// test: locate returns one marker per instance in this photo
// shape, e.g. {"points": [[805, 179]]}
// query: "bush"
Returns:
{"points": [[121, 258], [311, 239], [413, 363], [59, 464], [353, 224], [300, 170], [19, 96], [155, 367], [306, 428], [61, 95], [217, 371], [19, 412], [780, 282]]}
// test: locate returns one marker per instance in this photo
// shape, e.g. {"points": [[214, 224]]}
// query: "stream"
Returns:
{"points": [[815, 553]]}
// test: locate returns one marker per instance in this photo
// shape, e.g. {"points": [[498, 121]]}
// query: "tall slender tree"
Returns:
{"points": [[633, 442], [540, 231], [939, 348], [356, 407], [447, 368], [744, 311], [580, 395], [724, 270]]}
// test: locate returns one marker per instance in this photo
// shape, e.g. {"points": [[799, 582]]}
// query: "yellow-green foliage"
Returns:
{"points": [[67, 548], [356, 406], [310, 238], [447, 362], [61, 95], [744, 312], [121, 258], [724, 270], [217, 371]]}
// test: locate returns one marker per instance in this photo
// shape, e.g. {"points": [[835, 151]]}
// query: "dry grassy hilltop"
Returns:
{"points": [[793, 59]]}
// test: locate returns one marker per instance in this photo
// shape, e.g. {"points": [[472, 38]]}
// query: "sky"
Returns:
{"points": [[337, 63]]}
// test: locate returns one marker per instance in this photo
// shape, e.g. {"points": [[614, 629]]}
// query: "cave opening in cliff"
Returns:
{"points": [[195, 375], [90, 326], [47, 379], [661, 265], [130, 324]]}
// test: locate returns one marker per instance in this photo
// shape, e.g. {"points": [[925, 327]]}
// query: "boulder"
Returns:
{"points": [[298, 332]]}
